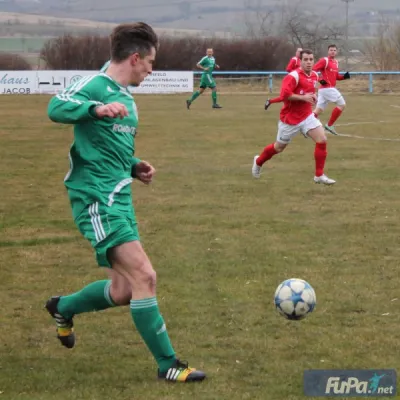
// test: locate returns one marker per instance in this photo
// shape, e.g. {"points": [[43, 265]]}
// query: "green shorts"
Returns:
{"points": [[106, 227], [207, 81]]}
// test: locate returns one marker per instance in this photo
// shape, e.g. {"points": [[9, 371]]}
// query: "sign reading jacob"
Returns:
{"points": [[17, 82]]}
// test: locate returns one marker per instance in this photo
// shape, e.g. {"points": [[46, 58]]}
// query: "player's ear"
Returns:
{"points": [[134, 58]]}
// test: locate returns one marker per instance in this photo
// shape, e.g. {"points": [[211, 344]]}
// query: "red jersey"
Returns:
{"points": [[294, 63], [329, 68], [297, 82]]}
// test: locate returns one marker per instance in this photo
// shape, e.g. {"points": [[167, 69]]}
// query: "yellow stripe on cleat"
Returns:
{"points": [[184, 374], [64, 331]]}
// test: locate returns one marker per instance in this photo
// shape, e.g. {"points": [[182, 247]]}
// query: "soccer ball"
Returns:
{"points": [[295, 298]]}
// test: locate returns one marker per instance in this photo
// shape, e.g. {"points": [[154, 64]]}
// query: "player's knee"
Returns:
{"points": [[121, 294], [279, 147], [321, 138], [144, 277], [342, 107]]}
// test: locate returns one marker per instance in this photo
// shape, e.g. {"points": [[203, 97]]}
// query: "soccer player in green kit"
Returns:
{"points": [[207, 64], [102, 167]]}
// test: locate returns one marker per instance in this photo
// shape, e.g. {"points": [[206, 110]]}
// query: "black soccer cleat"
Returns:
{"points": [[65, 327], [216, 106], [181, 372], [266, 105], [188, 104]]}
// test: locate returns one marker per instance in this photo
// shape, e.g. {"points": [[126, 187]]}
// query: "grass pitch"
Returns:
{"points": [[221, 243]]}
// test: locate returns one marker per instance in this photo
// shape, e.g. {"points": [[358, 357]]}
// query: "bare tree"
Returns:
{"points": [[259, 22], [383, 52], [305, 29], [293, 21]]}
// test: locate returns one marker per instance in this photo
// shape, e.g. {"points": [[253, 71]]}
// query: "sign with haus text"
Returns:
{"points": [[18, 82]]}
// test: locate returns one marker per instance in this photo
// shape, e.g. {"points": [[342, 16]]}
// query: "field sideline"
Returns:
{"points": [[221, 243]]}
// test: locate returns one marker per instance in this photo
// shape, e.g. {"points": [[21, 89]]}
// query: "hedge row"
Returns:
{"points": [[91, 52], [10, 61]]}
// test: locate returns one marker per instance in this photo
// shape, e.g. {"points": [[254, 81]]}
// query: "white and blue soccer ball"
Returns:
{"points": [[295, 298]]}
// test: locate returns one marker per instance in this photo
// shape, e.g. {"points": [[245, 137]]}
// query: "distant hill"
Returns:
{"points": [[210, 15], [20, 24]]}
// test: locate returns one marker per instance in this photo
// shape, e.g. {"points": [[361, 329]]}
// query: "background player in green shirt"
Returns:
{"points": [[102, 166], [207, 64]]}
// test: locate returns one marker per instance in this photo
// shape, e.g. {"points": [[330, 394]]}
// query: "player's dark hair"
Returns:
{"points": [[127, 39], [331, 46], [305, 51]]}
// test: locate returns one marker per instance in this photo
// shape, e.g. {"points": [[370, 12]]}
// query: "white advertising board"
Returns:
{"points": [[51, 82]]}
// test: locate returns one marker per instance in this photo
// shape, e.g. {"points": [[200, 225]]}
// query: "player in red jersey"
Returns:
{"points": [[298, 93], [327, 93], [294, 63]]}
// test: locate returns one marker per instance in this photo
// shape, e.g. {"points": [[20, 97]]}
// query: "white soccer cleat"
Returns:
{"points": [[324, 180], [256, 169], [331, 129]]}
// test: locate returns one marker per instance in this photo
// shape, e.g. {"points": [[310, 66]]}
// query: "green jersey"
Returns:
{"points": [[208, 62], [102, 154]]}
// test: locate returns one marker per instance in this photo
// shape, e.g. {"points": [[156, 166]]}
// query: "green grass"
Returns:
{"points": [[221, 243]]}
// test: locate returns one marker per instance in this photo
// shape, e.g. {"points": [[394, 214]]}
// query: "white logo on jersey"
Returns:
{"points": [[124, 129], [109, 89]]}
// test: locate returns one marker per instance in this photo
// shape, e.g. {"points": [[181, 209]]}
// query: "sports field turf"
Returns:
{"points": [[221, 243]]}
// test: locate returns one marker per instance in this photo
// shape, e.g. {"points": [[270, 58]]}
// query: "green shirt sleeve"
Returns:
{"points": [[134, 161], [76, 103], [203, 62]]}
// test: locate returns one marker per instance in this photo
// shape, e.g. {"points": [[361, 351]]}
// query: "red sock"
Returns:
{"points": [[320, 154], [335, 115], [276, 100], [267, 153]]}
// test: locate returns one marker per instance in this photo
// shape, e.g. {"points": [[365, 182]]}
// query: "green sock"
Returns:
{"points": [[214, 97], [151, 326], [93, 297], [195, 95]]}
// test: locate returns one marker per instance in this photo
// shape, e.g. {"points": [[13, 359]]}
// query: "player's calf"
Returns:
{"points": [[336, 113], [268, 152]]}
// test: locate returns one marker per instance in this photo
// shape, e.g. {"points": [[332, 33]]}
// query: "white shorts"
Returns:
{"points": [[329, 95], [287, 132]]}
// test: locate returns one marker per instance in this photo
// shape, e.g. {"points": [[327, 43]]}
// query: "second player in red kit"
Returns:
{"points": [[298, 94]]}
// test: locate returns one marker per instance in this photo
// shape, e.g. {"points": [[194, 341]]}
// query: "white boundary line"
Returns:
{"points": [[368, 138], [364, 123], [392, 105], [364, 137]]}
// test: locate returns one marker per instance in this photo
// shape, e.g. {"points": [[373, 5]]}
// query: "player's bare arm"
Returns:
{"points": [[144, 172], [308, 98], [201, 67], [112, 110]]}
